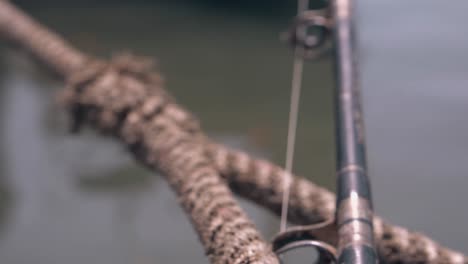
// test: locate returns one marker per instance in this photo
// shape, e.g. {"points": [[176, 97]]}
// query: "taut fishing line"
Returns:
{"points": [[296, 84]]}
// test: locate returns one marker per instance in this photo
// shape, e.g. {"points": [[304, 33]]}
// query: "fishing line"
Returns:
{"points": [[352, 224], [296, 84]]}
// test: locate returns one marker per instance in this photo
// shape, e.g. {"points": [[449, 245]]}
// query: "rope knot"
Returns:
{"points": [[103, 93], [124, 89]]}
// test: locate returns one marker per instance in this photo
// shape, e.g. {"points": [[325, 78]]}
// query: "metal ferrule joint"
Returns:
{"points": [[354, 220]]}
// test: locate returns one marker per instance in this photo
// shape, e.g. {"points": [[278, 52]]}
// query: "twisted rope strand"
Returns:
{"points": [[125, 99], [261, 181]]}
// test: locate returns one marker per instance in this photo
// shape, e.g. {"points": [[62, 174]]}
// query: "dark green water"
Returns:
{"points": [[228, 68]]}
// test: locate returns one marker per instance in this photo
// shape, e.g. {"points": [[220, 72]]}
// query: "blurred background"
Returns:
{"points": [[82, 199]]}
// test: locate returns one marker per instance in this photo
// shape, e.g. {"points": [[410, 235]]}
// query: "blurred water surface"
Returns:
{"points": [[81, 198], [415, 78]]}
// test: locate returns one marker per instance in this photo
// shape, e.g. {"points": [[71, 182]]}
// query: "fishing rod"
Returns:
{"points": [[313, 33]]}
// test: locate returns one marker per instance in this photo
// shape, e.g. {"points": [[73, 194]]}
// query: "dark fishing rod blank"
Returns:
{"points": [[354, 213]]}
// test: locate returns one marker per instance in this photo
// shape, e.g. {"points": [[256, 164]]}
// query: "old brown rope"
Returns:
{"points": [[125, 98]]}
